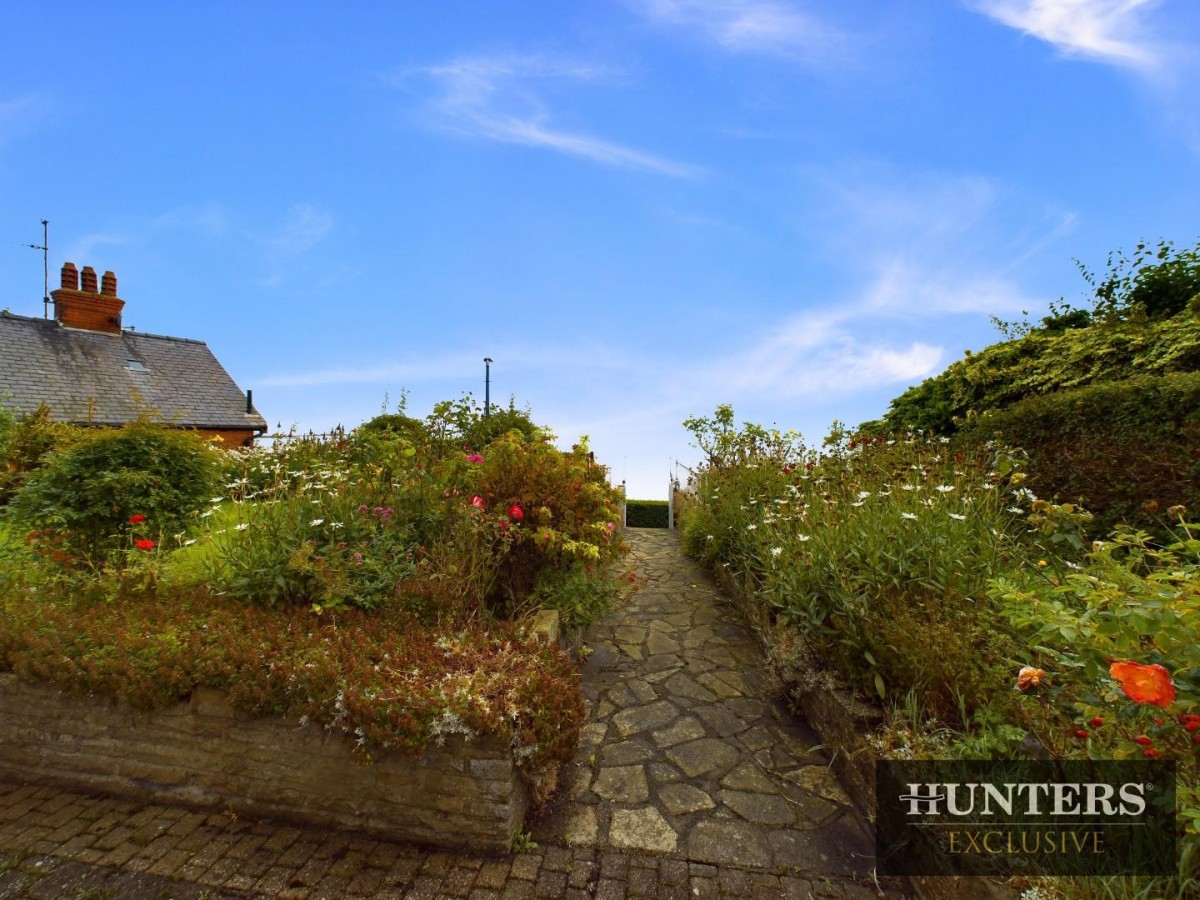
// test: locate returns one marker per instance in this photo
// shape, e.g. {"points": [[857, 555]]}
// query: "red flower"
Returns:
{"points": [[137, 519], [1081, 734], [144, 544], [477, 502], [516, 513], [1144, 684], [1143, 740], [1096, 722], [1190, 722], [1150, 754], [475, 458]]}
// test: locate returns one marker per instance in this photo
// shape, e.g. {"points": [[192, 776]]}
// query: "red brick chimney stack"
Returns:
{"points": [[79, 303]]}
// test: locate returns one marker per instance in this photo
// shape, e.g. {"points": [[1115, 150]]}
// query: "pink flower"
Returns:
{"points": [[474, 458], [477, 502]]}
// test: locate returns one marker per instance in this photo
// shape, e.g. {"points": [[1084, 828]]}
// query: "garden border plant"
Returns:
{"points": [[889, 561], [366, 583]]}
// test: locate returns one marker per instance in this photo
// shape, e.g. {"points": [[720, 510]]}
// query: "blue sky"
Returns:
{"points": [[640, 209]]}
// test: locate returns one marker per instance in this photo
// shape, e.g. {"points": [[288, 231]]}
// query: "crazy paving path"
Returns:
{"points": [[689, 749]]}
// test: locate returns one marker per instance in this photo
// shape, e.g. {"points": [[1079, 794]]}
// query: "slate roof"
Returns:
{"points": [[86, 377]]}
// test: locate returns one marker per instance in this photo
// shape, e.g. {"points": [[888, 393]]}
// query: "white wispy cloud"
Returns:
{"points": [[578, 360], [304, 226], [820, 354], [22, 114], [750, 26], [206, 218], [921, 248], [493, 98], [910, 289], [83, 249], [933, 243], [377, 373], [1110, 31]]}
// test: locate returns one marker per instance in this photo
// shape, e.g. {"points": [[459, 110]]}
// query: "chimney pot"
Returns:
{"points": [[70, 277], [108, 284], [87, 279]]}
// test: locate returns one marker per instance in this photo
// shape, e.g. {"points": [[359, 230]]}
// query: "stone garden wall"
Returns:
{"points": [[202, 752]]}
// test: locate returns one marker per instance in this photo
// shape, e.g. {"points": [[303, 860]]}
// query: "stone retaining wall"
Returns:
{"points": [[202, 752]]}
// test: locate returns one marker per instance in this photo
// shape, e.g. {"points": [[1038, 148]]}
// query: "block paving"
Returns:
{"points": [[693, 780]]}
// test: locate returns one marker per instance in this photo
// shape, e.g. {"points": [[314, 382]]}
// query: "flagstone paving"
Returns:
{"points": [[693, 780], [689, 749]]}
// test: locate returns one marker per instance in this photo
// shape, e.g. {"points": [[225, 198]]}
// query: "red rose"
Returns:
{"points": [[144, 544], [137, 519], [515, 513]]}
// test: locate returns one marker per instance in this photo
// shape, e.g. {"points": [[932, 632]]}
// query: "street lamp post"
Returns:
{"points": [[487, 386]]}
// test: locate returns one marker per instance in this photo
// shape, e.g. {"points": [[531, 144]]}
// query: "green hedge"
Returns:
{"points": [[1044, 362], [1127, 450], [647, 514]]}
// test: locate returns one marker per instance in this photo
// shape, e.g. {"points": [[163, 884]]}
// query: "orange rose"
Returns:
{"points": [[1144, 684], [1029, 677]]}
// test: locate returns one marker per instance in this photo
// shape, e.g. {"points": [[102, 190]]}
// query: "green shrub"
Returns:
{"points": [[1157, 282], [461, 425], [1043, 362], [1145, 320], [24, 443], [384, 518], [580, 593], [1126, 450], [647, 513], [558, 508], [84, 497]]}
